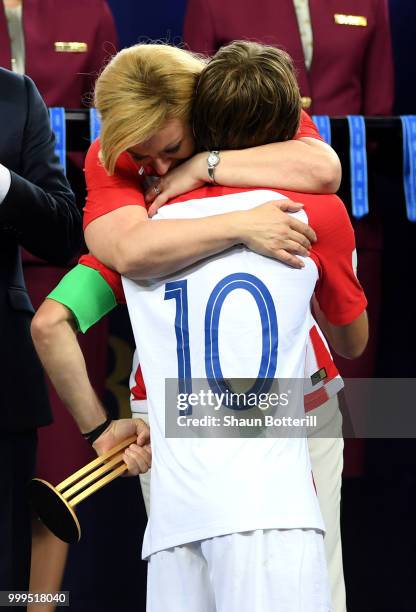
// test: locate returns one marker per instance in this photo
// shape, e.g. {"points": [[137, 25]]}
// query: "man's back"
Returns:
{"points": [[261, 303], [235, 315]]}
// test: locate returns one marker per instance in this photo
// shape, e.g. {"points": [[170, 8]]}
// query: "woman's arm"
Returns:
{"points": [[120, 235], [307, 165], [127, 240]]}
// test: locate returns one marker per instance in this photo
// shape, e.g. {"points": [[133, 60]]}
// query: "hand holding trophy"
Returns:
{"points": [[123, 448]]}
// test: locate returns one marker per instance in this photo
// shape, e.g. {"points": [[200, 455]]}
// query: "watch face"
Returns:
{"points": [[213, 159]]}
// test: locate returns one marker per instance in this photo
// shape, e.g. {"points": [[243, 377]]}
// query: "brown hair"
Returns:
{"points": [[138, 91], [247, 95]]}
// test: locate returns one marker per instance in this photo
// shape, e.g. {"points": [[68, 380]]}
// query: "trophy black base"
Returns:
{"points": [[54, 511]]}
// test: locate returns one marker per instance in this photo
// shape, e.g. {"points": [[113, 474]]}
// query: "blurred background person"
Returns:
{"points": [[337, 55], [62, 46], [46, 39], [38, 212]]}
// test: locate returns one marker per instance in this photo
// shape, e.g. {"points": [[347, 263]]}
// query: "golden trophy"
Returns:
{"points": [[55, 505]]}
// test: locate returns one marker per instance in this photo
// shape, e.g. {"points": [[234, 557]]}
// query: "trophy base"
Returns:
{"points": [[54, 511]]}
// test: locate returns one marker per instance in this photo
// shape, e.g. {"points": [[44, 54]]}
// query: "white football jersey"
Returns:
{"points": [[233, 315]]}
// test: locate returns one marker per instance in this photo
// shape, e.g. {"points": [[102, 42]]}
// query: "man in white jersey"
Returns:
{"points": [[234, 523]]}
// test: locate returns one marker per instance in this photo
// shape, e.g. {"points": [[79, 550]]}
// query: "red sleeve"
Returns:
{"points": [[138, 390], [107, 193], [307, 128], [378, 90], [110, 276], [338, 290], [198, 28]]}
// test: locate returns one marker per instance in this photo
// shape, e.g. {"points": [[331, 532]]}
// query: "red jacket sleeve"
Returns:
{"points": [[307, 128], [198, 29], [378, 89], [338, 290], [107, 193], [110, 276]]}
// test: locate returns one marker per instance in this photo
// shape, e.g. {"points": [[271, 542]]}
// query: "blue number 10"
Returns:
{"points": [[178, 291]]}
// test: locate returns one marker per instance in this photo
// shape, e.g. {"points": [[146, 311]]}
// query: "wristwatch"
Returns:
{"points": [[213, 160]]}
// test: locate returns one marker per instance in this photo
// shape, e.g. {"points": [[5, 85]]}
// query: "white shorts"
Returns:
{"points": [[258, 571], [326, 452]]}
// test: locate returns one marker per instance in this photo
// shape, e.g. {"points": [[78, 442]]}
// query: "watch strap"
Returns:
{"points": [[213, 160]]}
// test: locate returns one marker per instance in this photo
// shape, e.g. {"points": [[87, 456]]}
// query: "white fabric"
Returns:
{"points": [[315, 394], [14, 17], [270, 571], [201, 488], [5, 180], [303, 16], [326, 453], [138, 407]]}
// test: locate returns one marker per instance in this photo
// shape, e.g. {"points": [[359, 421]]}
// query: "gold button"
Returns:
{"points": [[306, 102]]}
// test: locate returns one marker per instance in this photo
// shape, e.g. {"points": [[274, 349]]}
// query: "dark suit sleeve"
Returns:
{"points": [[378, 89], [39, 209], [198, 30]]}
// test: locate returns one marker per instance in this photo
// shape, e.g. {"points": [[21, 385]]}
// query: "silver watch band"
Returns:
{"points": [[213, 160]]}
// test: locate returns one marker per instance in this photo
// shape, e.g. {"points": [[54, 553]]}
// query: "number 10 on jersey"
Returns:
{"points": [[178, 291]]}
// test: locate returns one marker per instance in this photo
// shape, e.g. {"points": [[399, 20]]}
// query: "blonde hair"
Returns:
{"points": [[247, 95], [140, 89]]}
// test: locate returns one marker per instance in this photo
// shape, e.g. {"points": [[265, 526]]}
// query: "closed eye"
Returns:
{"points": [[138, 158], [174, 148]]}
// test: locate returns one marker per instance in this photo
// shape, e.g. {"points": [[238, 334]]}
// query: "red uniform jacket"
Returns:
{"points": [[63, 76], [352, 68]]}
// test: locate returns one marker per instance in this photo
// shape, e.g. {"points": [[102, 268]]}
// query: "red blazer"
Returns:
{"points": [[63, 77], [352, 67]]}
